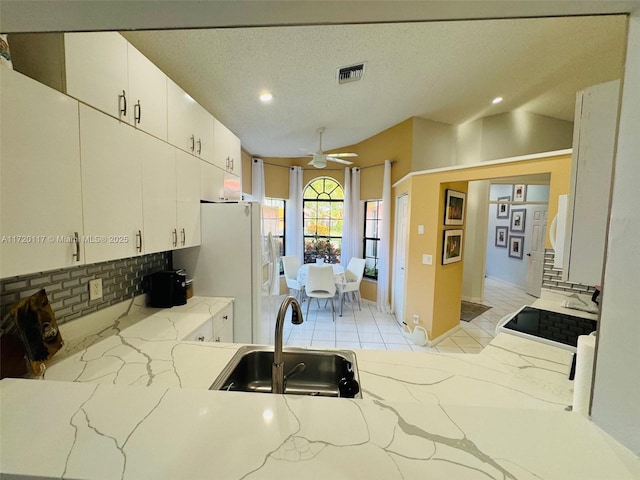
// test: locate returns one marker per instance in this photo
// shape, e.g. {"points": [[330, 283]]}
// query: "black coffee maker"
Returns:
{"points": [[166, 288]]}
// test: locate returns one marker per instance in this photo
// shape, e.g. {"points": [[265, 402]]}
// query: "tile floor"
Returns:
{"points": [[370, 329]]}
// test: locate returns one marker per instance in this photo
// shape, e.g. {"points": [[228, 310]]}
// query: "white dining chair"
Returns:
{"points": [[353, 276], [321, 284], [291, 266]]}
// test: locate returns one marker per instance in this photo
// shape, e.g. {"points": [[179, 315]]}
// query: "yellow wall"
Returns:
{"points": [[434, 291]]}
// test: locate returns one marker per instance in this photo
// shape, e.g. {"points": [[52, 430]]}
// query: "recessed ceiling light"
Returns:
{"points": [[266, 97], [497, 100]]}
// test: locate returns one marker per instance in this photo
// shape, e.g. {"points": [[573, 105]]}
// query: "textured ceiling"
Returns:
{"points": [[443, 71]]}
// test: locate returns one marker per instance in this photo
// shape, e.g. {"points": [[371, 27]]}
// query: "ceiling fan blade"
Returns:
{"points": [[338, 160], [343, 155]]}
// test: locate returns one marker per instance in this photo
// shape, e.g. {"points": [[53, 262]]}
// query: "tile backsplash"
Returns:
{"points": [[68, 289], [552, 277]]}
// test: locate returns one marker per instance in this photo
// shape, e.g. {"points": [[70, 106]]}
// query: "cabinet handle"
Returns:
{"points": [[122, 102], [193, 143], [217, 339], [227, 163], [226, 317], [139, 241], [232, 164], [199, 146], [175, 237], [76, 239], [184, 236], [137, 112], [201, 338]]}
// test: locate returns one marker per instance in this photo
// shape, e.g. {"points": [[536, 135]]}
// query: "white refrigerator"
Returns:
{"points": [[237, 258]]}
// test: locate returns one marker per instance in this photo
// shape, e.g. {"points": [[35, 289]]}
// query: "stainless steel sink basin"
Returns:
{"points": [[250, 371]]}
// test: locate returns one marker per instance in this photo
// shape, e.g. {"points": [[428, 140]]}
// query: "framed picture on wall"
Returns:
{"points": [[503, 208], [519, 193], [516, 246], [452, 246], [454, 208], [501, 236], [518, 218]]}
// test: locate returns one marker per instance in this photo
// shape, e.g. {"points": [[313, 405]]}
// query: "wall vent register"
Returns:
{"points": [[351, 73]]}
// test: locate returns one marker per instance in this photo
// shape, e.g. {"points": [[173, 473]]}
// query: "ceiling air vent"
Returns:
{"points": [[352, 73]]}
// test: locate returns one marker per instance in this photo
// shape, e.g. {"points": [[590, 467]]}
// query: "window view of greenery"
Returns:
{"points": [[323, 206], [276, 224], [372, 225]]}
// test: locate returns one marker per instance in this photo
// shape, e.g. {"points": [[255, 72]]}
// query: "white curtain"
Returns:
{"points": [[293, 234], [356, 230], [257, 180], [383, 303], [345, 253]]}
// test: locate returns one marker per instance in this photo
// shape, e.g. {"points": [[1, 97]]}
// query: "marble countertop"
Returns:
{"points": [[130, 400]]}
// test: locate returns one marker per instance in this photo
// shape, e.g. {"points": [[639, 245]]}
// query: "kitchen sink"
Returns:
{"points": [[307, 372]]}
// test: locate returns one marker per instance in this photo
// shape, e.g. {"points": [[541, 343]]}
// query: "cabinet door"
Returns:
{"points": [[158, 195], [235, 154], [181, 112], [223, 325], [203, 130], [148, 94], [40, 194], [220, 156], [211, 182], [96, 71], [187, 176], [591, 170], [110, 154]]}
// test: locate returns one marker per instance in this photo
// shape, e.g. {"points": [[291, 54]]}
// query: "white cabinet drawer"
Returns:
{"points": [[204, 333]]}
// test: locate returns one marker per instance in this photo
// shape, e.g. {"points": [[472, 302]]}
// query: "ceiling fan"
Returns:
{"points": [[319, 159]]}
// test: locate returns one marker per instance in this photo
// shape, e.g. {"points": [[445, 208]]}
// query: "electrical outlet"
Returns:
{"points": [[95, 289], [427, 259], [416, 319]]}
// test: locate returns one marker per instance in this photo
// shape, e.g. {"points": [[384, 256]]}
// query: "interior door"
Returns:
{"points": [[400, 256], [535, 256]]}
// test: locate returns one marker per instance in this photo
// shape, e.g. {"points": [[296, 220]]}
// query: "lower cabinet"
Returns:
{"points": [[223, 325], [204, 333]]}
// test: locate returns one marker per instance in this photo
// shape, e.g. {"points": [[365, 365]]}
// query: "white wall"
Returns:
{"points": [[474, 247], [509, 135], [526, 132], [616, 393]]}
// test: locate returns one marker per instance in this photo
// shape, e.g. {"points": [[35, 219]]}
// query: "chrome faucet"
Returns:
{"points": [[277, 369]]}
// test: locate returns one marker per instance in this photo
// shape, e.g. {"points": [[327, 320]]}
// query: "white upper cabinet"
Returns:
{"points": [[187, 174], [591, 171], [148, 94], [159, 196], [106, 72], [111, 154], [40, 194], [97, 71], [190, 126], [211, 182], [227, 149]]}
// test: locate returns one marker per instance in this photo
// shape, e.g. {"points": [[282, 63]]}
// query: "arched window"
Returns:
{"points": [[323, 207]]}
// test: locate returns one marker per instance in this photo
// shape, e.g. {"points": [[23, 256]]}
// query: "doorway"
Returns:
{"points": [[517, 221], [400, 257]]}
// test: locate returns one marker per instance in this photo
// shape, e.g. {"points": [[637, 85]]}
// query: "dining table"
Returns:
{"points": [[338, 274]]}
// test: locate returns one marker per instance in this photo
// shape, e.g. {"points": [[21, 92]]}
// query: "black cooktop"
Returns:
{"points": [[554, 326]]}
